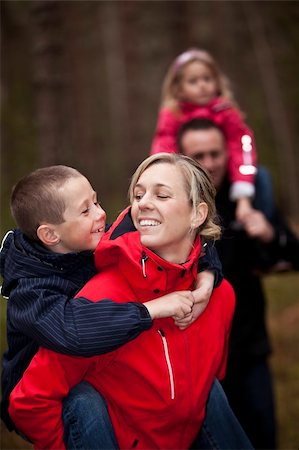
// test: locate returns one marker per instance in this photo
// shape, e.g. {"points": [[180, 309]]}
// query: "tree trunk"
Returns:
{"points": [[48, 80], [276, 108]]}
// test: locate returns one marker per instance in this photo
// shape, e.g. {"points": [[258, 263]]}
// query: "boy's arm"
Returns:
{"points": [[209, 261], [178, 304], [209, 276], [76, 327], [81, 327], [202, 294]]}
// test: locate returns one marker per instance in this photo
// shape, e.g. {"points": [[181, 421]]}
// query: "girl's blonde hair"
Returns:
{"points": [[198, 186], [175, 72]]}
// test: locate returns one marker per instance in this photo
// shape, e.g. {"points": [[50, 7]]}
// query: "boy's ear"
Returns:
{"points": [[200, 216], [47, 234]]}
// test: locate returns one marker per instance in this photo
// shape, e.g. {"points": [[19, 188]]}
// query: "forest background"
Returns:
{"points": [[81, 84]]}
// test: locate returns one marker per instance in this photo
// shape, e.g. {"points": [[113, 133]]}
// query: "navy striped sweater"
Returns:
{"points": [[40, 284]]}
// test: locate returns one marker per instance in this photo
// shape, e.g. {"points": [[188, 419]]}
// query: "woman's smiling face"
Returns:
{"points": [[162, 212]]}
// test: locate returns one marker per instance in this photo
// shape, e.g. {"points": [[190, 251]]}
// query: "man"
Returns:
{"points": [[257, 244]]}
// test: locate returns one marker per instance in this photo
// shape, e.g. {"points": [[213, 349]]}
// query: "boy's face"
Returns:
{"points": [[85, 220]]}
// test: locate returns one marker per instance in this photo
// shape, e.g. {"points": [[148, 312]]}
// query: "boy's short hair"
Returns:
{"points": [[35, 198]]}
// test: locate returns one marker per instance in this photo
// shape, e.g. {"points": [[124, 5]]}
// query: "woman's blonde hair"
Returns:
{"points": [[198, 186], [174, 75]]}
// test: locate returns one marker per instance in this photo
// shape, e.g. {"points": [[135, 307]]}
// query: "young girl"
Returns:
{"points": [[195, 87]]}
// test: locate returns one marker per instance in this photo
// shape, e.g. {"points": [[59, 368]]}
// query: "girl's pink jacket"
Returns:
{"points": [[226, 117], [157, 385]]}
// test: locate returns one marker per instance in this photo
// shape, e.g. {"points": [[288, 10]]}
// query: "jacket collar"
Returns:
{"points": [[122, 246]]}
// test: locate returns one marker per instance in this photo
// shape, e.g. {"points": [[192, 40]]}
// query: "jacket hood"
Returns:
{"points": [[21, 257], [124, 248]]}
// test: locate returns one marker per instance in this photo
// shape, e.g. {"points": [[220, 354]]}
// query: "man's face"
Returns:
{"points": [[208, 148]]}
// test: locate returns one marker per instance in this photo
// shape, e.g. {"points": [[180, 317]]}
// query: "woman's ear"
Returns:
{"points": [[47, 235], [200, 216]]}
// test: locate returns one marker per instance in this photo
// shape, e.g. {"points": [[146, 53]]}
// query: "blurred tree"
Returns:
{"points": [[81, 85], [19, 151], [276, 107], [94, 72], [47, 48]]}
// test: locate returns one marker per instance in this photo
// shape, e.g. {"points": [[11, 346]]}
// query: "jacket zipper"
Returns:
{"points": [[168, 362], [143, 261]]}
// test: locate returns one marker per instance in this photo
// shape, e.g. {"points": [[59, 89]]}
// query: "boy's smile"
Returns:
{"points": [[84, 219]]}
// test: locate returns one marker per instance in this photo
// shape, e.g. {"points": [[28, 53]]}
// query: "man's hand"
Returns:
{"points": [[257, 226], [243, 208]]}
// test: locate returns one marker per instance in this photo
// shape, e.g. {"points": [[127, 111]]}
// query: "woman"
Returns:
{"points": [[156, 386]]}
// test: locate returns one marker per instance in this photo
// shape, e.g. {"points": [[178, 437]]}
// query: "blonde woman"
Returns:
{"points": [[156, 386]]}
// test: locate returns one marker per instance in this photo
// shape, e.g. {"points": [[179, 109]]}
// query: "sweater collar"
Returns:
{"points": [[22, 249]]}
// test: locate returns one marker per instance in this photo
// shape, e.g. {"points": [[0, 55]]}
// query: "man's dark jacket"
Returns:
{"points": [[243, 261]]}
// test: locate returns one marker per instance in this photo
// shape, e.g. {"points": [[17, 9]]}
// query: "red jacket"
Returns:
{"points": [[225, 116], [157, 385]]}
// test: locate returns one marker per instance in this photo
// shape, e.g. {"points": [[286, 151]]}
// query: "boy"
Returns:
{"points": [[48, 261]]}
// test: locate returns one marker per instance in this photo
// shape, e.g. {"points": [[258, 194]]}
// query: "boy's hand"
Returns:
{"points": [[184, 323], [178, 305], [202, 294], [203, 288]]}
